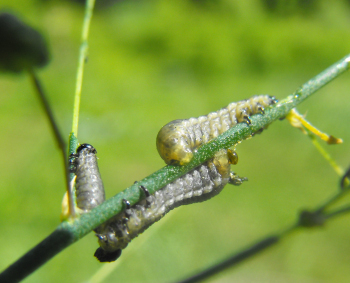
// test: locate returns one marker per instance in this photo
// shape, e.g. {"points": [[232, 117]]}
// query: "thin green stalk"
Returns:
{"points": [[325, 154], [67, 233], [82, 58]]}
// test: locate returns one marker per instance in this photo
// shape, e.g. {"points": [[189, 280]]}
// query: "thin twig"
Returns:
{"points": [[46, 106], [233, 260], [58, 136], [338, 212]]}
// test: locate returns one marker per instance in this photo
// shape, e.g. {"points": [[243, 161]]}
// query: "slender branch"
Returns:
{"points": [[58, 136], [46, 106], [67, 233], [338, 212], [233, 260], [325, 154], [82, 59]]}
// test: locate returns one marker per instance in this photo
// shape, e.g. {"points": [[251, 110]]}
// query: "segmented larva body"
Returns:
{"points": [[89, 188], [198, 185], [177, 140]]}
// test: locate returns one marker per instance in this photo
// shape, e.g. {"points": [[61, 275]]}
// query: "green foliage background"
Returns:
{"points": [[151, 62]]}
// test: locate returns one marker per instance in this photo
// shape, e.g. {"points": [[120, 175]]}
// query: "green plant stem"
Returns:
{"points": [[325, 154], [67, 233], [73, 144], [82, 59]]}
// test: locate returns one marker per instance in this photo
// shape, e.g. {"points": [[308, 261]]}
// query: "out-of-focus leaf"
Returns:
{"points": [[21, 47]]}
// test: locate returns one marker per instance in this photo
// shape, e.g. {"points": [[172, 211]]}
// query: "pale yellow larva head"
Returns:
{"points": [[173, 144]]}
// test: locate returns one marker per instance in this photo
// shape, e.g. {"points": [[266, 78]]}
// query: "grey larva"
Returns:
{"points": [[177, 140], [198, 185], [89, 189]]}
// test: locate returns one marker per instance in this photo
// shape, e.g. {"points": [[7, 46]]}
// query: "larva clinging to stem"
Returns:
{"points": [[198, 185], [177, 140], [89, 188]]}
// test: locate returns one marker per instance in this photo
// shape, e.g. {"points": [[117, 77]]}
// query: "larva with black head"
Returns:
{"points": [[89, 190], [177, 140], [198, 185]]}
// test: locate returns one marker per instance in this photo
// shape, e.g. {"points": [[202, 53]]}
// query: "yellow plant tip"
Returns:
{"points": [[298, 121], [292, 118], [334, 140]]}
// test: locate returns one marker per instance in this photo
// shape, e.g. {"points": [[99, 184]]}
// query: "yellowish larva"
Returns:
{"points": [[177, 140]]}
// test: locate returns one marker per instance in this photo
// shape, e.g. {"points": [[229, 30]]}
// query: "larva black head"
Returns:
{"points": [[87, 146], [104, 256]]}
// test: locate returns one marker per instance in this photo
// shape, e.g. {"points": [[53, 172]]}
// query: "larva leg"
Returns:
{"points": [[260, 109], [236, 180], [127, 206], [247, 120], [148, 197], [244, 117], [145, 191]]}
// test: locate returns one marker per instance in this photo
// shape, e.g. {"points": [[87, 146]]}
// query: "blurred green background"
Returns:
{"points": [[151, 62]]}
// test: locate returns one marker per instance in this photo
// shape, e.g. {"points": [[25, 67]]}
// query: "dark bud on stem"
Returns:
{"points": [[311, 218]]}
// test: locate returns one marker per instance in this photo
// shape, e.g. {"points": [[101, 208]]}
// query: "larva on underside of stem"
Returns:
{"points": [[200, 184]]}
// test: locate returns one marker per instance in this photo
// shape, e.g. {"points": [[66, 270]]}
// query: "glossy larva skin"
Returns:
{"points": [[88, 185], [198, 185], [177, 140]]}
